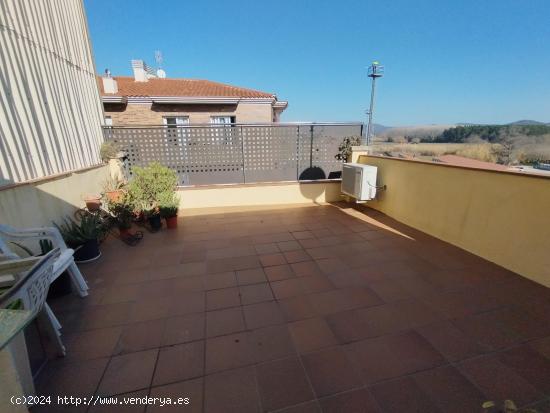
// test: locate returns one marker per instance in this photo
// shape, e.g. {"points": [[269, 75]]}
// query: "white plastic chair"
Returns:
{"points": [[31, 289], [65, 262]]}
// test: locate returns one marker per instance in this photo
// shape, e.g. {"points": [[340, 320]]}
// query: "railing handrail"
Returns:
{"points": [[225, 125]]}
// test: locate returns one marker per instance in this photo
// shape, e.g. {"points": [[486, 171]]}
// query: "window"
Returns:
{"points": [[175, 121], [222, 120]]}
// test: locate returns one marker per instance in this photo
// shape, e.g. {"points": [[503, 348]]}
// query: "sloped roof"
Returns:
{"points": [[471, 163], [127, 86]]}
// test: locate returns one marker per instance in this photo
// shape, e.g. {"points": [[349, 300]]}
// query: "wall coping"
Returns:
{"points": [[445, 165], [50, 177], [258, 184]]}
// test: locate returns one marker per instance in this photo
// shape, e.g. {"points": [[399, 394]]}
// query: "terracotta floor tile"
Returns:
{"points": [[296, 256], [262, 314], [461, 304], [331, 265], [283, 383], [355, 401], [453, 343], [270, 260], [498, 382], [224, 298], [297, 308], [179, 362], [302, 235], [190, 389], [399, 309], [403, 395], [449, 390], [273, 342], [102, 316], [128, 372], [229, 252], [481, 328], [287, 288], [393, 356], [91, 344], [220, 322], [141, 336], [347, 327], [542, 346], [79, 379], [530, 365], [255, 293], [389, 290], [311, 334], [305, 268], [182, 329], [229, 352], [270, 248], [220, 280], [335, 301], [289, 246], [251, 276], [233, 391], [330, 371], [120, 294], [279, 272]]}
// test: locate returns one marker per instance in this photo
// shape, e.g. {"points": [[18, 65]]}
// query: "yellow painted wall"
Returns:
{"points": [[259, 194], [502, 217], [39, 203]]}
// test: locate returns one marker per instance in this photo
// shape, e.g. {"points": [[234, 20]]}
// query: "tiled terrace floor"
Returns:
{"points": [[306, 309]]}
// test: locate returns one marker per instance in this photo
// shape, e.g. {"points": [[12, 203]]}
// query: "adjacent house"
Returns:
{"points": [[149, 98]]}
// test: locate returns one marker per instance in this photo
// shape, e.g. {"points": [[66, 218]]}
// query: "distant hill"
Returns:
{"points": [[379, 128], [528, 122]]}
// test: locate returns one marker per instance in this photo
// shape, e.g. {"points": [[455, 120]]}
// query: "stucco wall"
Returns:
{"points": [[39, 203], [502, 217], [259, 194], [147, 114]]}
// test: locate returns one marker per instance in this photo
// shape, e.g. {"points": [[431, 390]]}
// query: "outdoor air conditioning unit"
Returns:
{"points": [[359, 181]]}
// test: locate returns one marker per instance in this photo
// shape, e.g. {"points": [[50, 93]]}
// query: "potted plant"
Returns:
{"points": [[114, 190], [109, 150], [147, 188], [152, 214], [93, 202], [123, 211], [82, 236], [168, 207]]}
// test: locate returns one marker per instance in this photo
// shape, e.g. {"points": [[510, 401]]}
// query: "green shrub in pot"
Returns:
{"points": [[82, 236], [168, 206]]}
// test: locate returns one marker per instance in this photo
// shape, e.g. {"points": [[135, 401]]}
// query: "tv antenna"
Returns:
{"points": [[375, 71], [161, 74]]}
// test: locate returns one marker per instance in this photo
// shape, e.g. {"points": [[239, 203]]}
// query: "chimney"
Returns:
{"points": [[142, 72], [109, 84]]}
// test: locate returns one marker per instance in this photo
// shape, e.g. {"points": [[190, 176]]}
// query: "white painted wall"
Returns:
{"points": [[50, 109]]}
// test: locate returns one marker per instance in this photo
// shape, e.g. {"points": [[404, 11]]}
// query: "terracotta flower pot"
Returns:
{"points": [[93, 202], [114, 196], [124, 232], [172, 222]]}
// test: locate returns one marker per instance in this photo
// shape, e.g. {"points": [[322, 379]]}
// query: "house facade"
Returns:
{"points": [[149, 98]]}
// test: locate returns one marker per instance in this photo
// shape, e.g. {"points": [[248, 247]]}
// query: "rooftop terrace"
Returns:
{"points": [[302, 309]]}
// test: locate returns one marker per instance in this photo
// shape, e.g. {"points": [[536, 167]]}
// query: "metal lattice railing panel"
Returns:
{"points": [[238, 153]]}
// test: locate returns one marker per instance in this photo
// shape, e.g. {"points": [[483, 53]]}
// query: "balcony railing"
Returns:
{"points": [[237, 153]]}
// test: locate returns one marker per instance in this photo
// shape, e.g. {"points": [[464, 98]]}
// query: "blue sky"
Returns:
{"points": [[482, 61]]}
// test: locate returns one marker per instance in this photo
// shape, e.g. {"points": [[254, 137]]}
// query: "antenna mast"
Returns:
{"points": [[375, 71]]}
